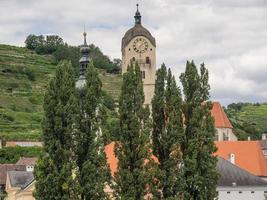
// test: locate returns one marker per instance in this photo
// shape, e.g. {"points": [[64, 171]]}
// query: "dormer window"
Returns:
{"points": [[232, 158], [29, 168]]}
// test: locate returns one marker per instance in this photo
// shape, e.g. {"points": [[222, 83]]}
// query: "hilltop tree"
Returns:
{"points": [[132, 150], [33, 41], [53, 172], [93, 173], [168, 133], [198, 147]]}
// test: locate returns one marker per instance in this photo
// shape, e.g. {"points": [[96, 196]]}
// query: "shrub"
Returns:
{"points": [[29, 73], [12, 154]]}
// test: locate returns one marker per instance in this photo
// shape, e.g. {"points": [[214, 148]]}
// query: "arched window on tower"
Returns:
{"points": [[143, 73], [147, 60], [133, 59]]}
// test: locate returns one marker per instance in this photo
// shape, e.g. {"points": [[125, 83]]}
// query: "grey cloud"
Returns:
{"points": [[230, 36]]}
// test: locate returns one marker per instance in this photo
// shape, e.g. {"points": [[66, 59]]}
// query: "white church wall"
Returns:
{"points": [[226, 134]]}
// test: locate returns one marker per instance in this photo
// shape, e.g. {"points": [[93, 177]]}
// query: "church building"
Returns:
{"points": [[139, 46]]}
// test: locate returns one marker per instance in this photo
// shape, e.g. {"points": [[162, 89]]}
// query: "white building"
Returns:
{"points": [[238, 184]]}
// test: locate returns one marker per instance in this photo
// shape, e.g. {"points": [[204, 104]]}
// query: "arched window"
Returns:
{"points": [[143, 74], [147, 60], [133, 59]]}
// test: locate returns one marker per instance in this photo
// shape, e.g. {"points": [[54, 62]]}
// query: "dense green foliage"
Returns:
{"points": [[197, 148], [21, 97], [54, 44], [43, 45], [12, 154], [133, 176], [168, 134], [93, 172], [53, 172], [249, 120]]}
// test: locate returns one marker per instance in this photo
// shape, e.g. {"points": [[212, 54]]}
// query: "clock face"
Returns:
{"points": [[140, 45]]}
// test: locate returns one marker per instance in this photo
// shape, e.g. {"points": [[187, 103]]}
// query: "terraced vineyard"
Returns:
{"points": [[256, 115], [23, 79]]}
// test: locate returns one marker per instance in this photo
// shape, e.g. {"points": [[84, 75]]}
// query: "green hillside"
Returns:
{"points": [[256, 115], [248, 119], [23, 79]]}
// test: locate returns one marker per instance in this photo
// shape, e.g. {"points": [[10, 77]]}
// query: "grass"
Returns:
{"points": [[24, 76]]}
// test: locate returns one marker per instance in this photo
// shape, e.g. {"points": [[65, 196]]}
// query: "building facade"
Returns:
{"points": [[139, 46]]}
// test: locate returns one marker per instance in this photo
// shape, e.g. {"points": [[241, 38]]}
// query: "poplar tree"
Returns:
{"points": [[53, 172], [168, 133], [93, 173], [200, 173], [133, 151]]}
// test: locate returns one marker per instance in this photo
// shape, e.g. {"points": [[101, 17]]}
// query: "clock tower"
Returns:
{"points": [[138, 45]]}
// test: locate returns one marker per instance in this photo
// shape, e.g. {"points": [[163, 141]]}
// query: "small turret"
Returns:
{"points": [[137, 16], [84, 62]]}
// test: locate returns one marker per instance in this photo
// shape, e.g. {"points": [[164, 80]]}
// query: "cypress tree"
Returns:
{"points": [[53, 172], [198, 147], [168, 133], [134, 157], [93, 173]]}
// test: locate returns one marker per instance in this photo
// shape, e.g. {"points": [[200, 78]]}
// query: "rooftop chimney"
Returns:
{"points": [[263, 136], [248, 138]]}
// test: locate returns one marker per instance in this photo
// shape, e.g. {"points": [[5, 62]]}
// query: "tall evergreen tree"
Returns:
{"points": [[198, 147], [133, 176], [53, 172], [93, 173], [168, 133]]}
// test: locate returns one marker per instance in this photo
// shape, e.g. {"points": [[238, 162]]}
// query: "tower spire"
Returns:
{"points": [[84, 61], [137, 15], [84, 35]]}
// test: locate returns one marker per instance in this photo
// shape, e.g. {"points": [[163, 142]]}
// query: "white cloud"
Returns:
{"points": [[230, 36]]}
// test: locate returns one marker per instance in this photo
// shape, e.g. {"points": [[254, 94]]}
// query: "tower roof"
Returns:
{"points": [[221, 119], [84, 48], [137, 30], [137, 16]]}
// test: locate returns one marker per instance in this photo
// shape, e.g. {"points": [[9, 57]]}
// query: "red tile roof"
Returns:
{"points": [[4, 168], [248, 155], [111, 158], [113, 161], [221, 119], [26, 161]]}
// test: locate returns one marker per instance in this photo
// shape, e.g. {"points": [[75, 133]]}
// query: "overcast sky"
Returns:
{"points": [[229, 36]]}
